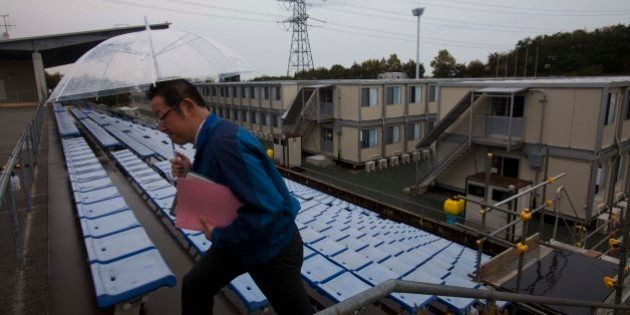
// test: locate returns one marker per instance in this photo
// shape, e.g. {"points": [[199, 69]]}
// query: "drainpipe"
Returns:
{"points": [[543, 103]]}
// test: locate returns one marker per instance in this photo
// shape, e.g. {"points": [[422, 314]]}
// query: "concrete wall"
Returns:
{"points": [[18, 81]]}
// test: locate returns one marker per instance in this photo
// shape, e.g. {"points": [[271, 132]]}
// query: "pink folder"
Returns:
{"points": [[200, 197]]}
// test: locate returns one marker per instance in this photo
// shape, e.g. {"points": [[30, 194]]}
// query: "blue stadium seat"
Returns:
{"points": [[117, 246], [102, 208], [251, 296], [343, 287], [398, 266], [96, 195], [109, 224], [327, 247], [351, 260], [317, 269], [374, 254], [376, 274], [130, 277]]}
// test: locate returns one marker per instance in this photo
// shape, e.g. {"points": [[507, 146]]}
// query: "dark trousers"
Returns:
{"points": [[279, 279]]}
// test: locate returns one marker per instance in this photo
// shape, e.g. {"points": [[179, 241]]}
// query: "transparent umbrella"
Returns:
{"points": [[135, 60]]}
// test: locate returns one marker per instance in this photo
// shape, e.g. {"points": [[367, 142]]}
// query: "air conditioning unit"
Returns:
{"points": [[393, 161], [416, 156], [404, 159], [382, 164], [370, 166]]}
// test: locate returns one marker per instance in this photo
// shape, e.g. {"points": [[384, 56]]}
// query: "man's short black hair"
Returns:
{"points": [[174, 91]]}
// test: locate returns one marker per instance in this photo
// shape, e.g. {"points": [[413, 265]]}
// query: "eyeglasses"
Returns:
{"points": [[161, 119]]}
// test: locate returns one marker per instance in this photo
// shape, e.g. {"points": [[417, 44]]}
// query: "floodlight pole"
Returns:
{"points": [[418, 12]]}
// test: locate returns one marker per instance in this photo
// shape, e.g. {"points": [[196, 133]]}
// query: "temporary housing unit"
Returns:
{"points": [[535, 128]]}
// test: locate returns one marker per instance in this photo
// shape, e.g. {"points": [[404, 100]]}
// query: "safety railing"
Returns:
{"points": [[382, 290], [19, 175]]}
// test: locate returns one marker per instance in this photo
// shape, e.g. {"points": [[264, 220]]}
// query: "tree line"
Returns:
{"points": [[603, 51]]}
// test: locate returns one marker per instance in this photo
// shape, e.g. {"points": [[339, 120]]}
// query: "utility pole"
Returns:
{"points": [[497, 65], [526, 56], [418, 12], [507, 57], [5, 35], [515, 62], [300, 57], [536, 63]]}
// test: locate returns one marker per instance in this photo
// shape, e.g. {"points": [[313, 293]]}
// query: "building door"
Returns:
{"points": [[326, 140], [505, 166]]}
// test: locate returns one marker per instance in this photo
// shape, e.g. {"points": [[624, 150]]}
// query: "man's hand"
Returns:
{"points": [[207, 228], [180, 165]]}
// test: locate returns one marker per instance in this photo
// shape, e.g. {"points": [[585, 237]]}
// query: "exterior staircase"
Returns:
{"points": [[445, 149]]}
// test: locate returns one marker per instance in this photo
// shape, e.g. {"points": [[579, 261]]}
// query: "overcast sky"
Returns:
{"points": [[352, 30]]}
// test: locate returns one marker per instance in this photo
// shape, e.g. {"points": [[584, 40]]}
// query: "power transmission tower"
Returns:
{"points": [[300, 57], [5, 35]]}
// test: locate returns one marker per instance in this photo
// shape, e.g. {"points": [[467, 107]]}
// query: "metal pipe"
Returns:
{"points": [[509, 146], [401, 286], [486, 235], [521, 256], [502, 202], [487, 206], [514, 222]]}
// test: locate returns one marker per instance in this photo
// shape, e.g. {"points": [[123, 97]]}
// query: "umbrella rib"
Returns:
{"points": [[172, 45]]}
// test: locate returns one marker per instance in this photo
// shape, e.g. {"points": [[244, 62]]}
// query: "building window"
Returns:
{"points": [[500, 195], [264, 119], [433, 91], [369, 138], [214, 91], [253, 92], [243, 116], [369, 97], [278, 121], [501, 106], [476, 190], [236, 115], [244, 90], [610, 109], [266, 92], [221, 91], [254, 117], [228, 91], [392, 134], [274, 120], [415, 94], [234, 91], [414, 131], [275, 93], [392, 95], [505, 166]]}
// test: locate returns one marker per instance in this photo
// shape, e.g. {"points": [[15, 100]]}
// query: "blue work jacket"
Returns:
{"points": [[230, 155]]}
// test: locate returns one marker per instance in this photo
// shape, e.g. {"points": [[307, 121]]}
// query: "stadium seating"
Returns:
{"points": [[124, 263], [347, 250]]}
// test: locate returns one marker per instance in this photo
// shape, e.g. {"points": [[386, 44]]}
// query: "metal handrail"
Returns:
{"points": [[29, 141], [401, 286]]}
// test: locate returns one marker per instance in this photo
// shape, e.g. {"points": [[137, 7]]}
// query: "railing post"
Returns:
{"points": [[26, 187], [16, 225], [556, 210], [509, 146], [521, 256], [29, 146]]}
